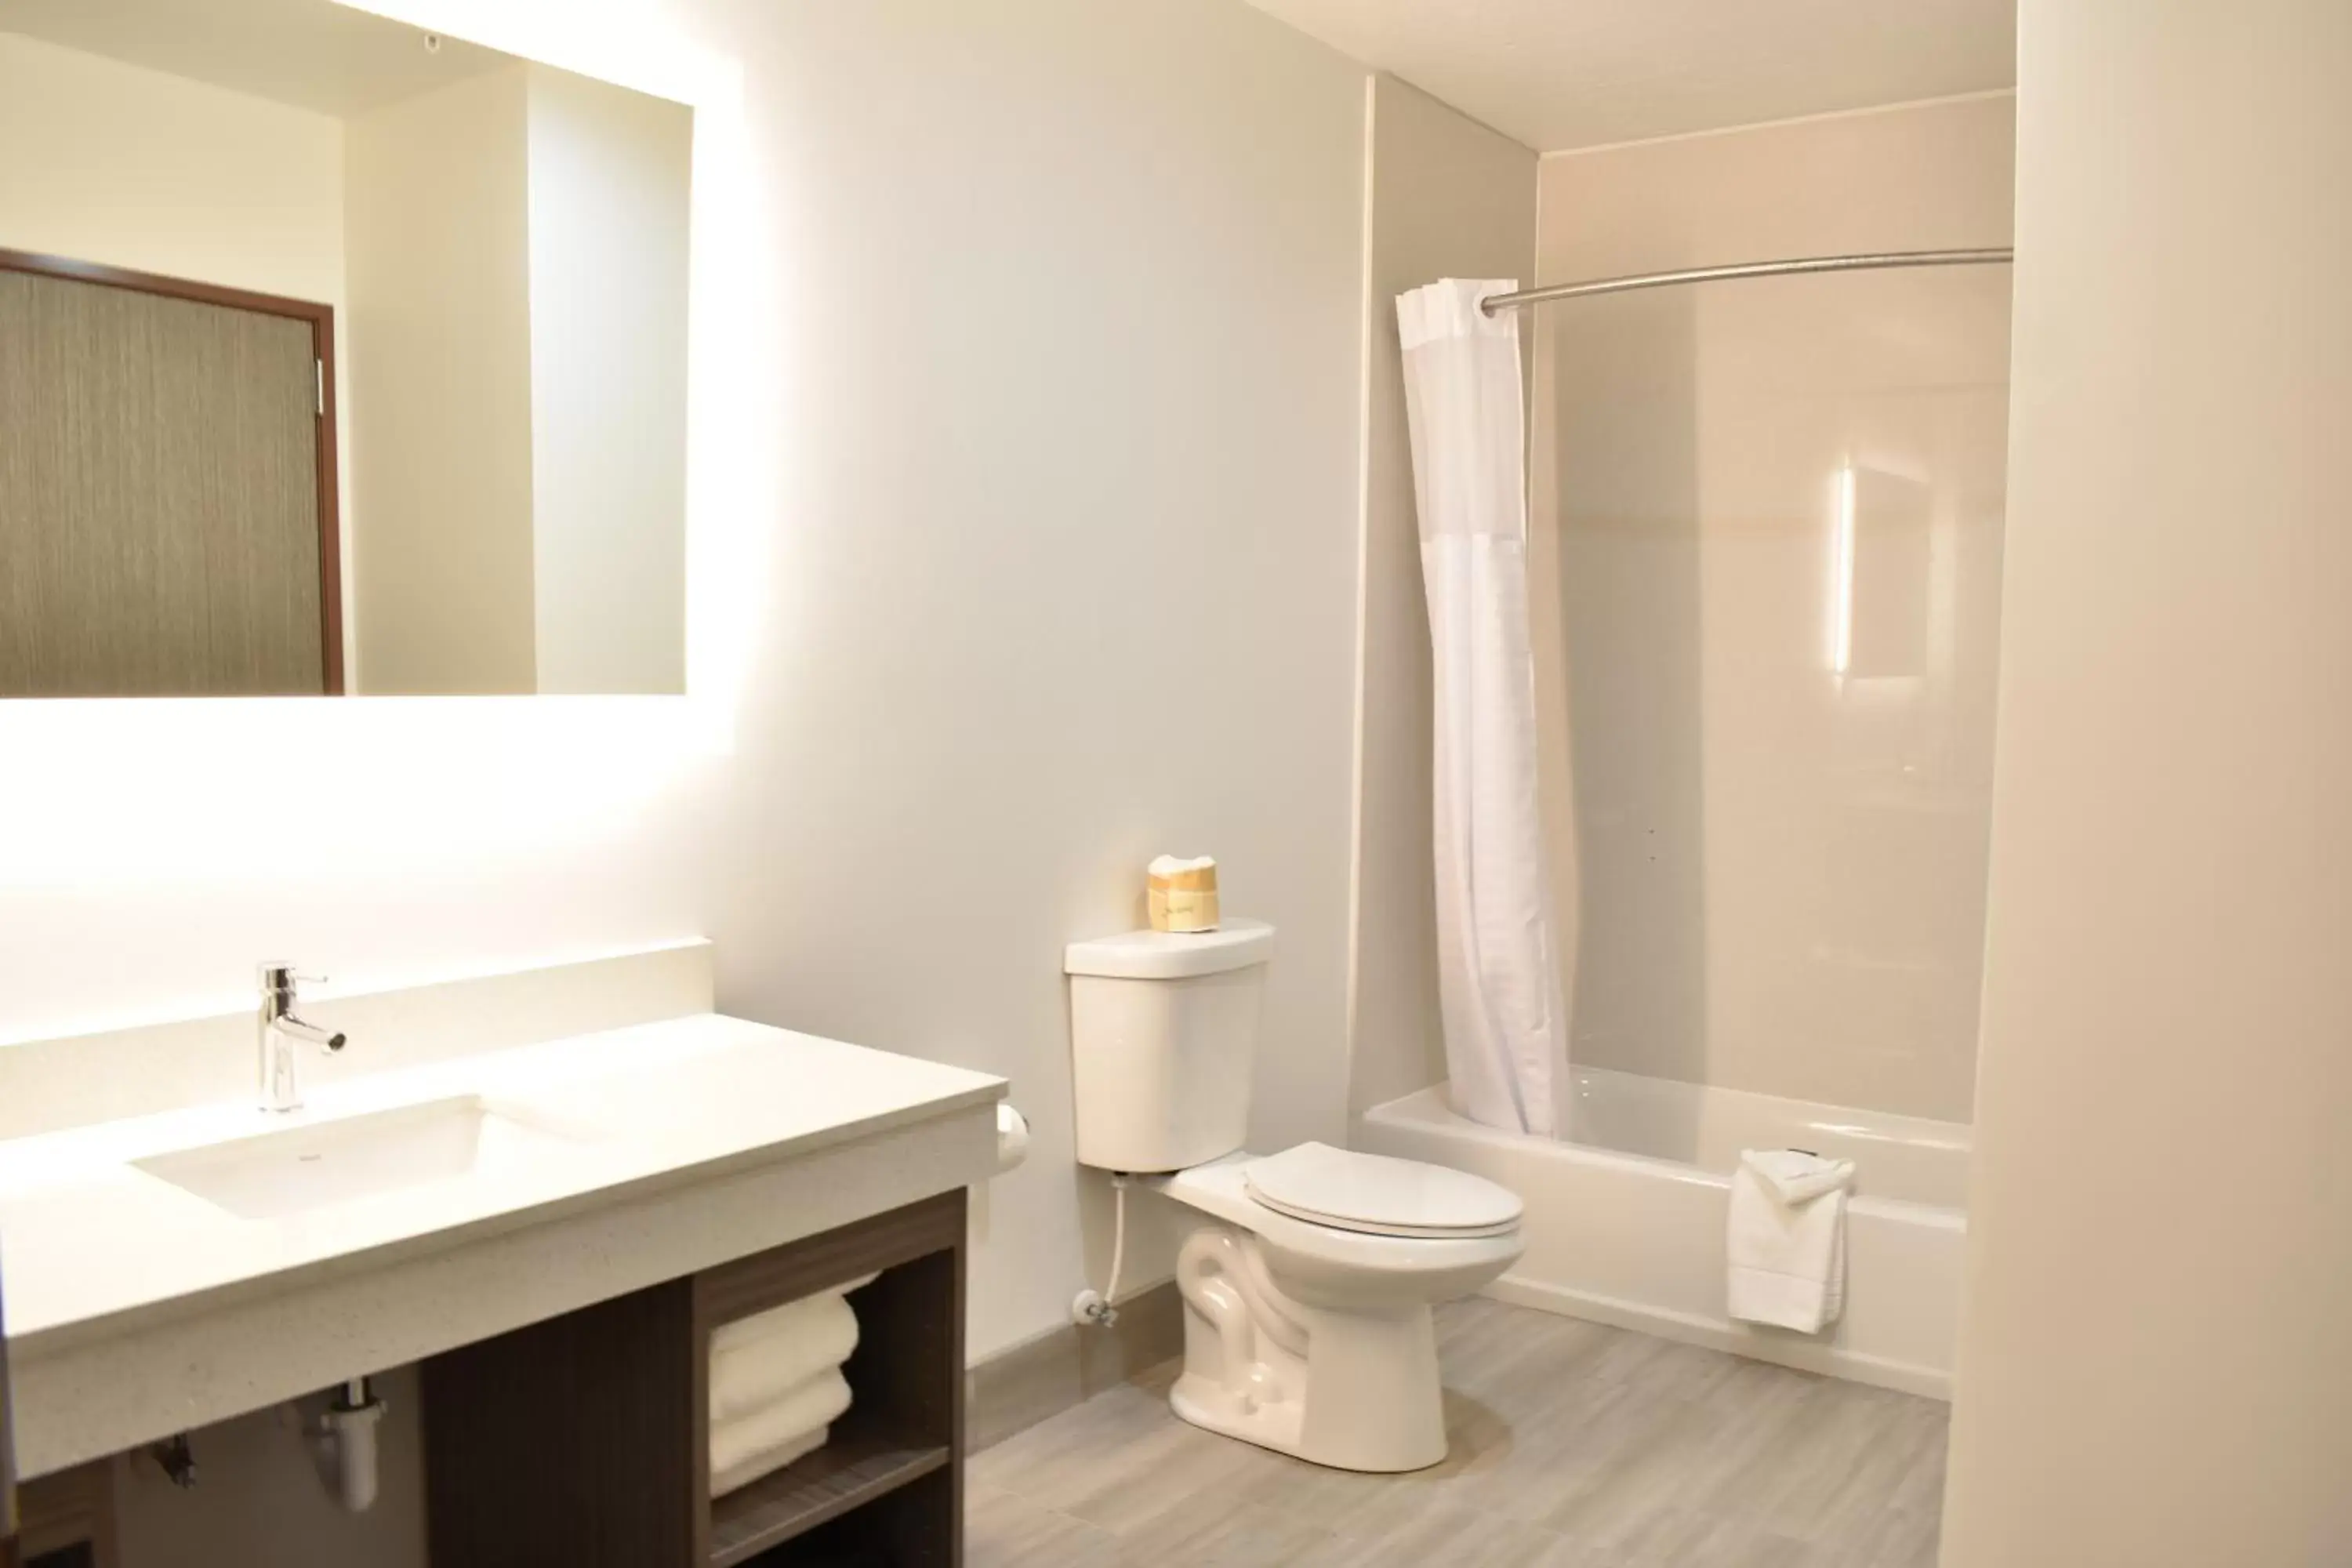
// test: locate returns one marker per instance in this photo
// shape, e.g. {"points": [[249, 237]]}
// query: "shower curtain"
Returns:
{"points": [[1499, 975]]}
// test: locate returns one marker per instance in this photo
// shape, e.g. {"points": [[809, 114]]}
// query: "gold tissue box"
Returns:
{"points": [[1182, 895]]}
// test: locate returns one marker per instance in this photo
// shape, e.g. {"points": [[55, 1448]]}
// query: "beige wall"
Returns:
{"points": [[1449, 198], [518, 263], [1782, 867], [2154, 1357], [610, 174], [157, 174], [438, 241]]}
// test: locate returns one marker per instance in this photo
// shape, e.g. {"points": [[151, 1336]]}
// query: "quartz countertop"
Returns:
{"points": [[97, 1245]]}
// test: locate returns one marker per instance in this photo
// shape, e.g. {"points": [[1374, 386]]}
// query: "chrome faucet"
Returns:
{"points": [[279, 1028]]}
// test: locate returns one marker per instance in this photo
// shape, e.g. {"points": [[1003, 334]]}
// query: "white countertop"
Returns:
{"points": [[92, 1246]]}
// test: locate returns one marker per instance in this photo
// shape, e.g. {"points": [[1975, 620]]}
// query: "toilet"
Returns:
{"points": [[1307, 1276]]}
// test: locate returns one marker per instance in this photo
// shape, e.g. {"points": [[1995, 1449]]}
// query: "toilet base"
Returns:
{"points": [[1351, 1390]]}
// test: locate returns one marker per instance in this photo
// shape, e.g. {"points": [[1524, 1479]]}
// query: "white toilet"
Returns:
{"points": [[1308, 1281]]}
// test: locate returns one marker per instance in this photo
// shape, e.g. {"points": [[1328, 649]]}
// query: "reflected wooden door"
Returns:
{"points": [[166, 488]]}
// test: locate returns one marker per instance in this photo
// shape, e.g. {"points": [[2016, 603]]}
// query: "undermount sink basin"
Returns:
{"points": [[318, 1165]]}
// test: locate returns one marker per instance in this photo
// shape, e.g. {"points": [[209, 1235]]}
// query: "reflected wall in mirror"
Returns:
{"points": [[335, 357]]}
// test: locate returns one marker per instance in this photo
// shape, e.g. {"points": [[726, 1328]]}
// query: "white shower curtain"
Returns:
{"points": [[1506, 1023]]}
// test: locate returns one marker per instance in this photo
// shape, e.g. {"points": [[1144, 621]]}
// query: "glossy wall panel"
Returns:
{"points": [[1769, 521]]}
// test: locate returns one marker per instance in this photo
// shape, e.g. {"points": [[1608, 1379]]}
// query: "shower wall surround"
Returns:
{"points": [[1768, 539]]}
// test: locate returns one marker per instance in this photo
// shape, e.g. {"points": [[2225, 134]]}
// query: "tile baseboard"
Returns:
{"points": [[1023, 1385]]}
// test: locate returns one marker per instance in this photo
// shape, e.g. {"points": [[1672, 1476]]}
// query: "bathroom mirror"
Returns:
{"points": [[335, 358]]}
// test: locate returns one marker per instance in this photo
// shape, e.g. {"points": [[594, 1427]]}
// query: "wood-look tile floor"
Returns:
{"points": [[1574, 1445]]}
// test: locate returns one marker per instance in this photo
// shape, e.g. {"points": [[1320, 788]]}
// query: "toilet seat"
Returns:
{"points": [[1219, 1190], [1377, 1196]]}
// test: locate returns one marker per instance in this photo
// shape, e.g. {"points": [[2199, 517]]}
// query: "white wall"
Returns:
{"points": [[159, 173], [1449, 199], [1066, 566], [610, 172], [437, 220], [2154, 1361], [1781, 864]]}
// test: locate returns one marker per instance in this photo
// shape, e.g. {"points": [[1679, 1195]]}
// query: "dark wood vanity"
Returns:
{"points": [[67, 1521], [8, 1459], [64, 1521], [582, 1441]]}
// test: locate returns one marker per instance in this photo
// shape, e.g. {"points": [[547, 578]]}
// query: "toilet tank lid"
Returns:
{"points": [[1172, 955]]}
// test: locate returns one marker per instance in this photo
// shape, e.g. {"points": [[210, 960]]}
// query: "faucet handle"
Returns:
{"points": [[280, 976]]}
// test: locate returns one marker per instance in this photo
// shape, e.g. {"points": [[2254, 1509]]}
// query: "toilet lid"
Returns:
{"points": [[1373, 1193]]}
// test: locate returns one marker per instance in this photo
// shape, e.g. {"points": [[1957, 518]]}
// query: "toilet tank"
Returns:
{"points": [[1163, 1033]]}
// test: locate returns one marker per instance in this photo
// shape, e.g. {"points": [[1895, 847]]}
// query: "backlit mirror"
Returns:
{"points": [[335, 358]]}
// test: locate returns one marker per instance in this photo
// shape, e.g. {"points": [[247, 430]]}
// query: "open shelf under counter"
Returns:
{"points": [[845, 1474], [584, 1441]]}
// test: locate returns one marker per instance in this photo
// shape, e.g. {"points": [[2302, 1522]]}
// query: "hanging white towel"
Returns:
{"points": [[744, 1450], [756, 1360], [1786, 1243]]}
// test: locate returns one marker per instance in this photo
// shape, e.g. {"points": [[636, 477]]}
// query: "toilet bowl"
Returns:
{"points": [[1308, 1276], [1313, 1337]]}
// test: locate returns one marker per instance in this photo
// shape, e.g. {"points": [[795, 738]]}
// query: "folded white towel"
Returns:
{"points": [[756, 1360], [744, 1450], [767, 1462], [1786, 1241], [777, 1319]]}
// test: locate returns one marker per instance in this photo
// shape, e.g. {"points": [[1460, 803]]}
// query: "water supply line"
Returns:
{"points": [[1100, 1309]]}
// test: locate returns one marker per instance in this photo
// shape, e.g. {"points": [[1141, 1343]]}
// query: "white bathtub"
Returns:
{"points": [[1625, 1222]]}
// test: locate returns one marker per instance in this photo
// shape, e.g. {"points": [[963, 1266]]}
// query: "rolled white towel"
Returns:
{"points": [[1785, 1246], [749, 1447], [758, 1359]]}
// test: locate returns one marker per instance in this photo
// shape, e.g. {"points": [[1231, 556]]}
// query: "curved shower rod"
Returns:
{"points": [[1989, 257]]}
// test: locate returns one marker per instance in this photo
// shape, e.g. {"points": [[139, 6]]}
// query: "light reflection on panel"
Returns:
{"points": [[1884, 597]]}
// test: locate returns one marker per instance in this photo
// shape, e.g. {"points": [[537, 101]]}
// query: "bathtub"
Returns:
{"points": [[1625, 1219]]}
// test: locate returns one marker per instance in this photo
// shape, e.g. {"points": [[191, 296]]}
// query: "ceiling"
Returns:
{"points": [[1559, 74], [314, 54]]}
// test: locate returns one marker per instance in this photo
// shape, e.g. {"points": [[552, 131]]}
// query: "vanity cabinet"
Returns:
{"points": [[8, 1459], [582, 1441], [67, 1520]]}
